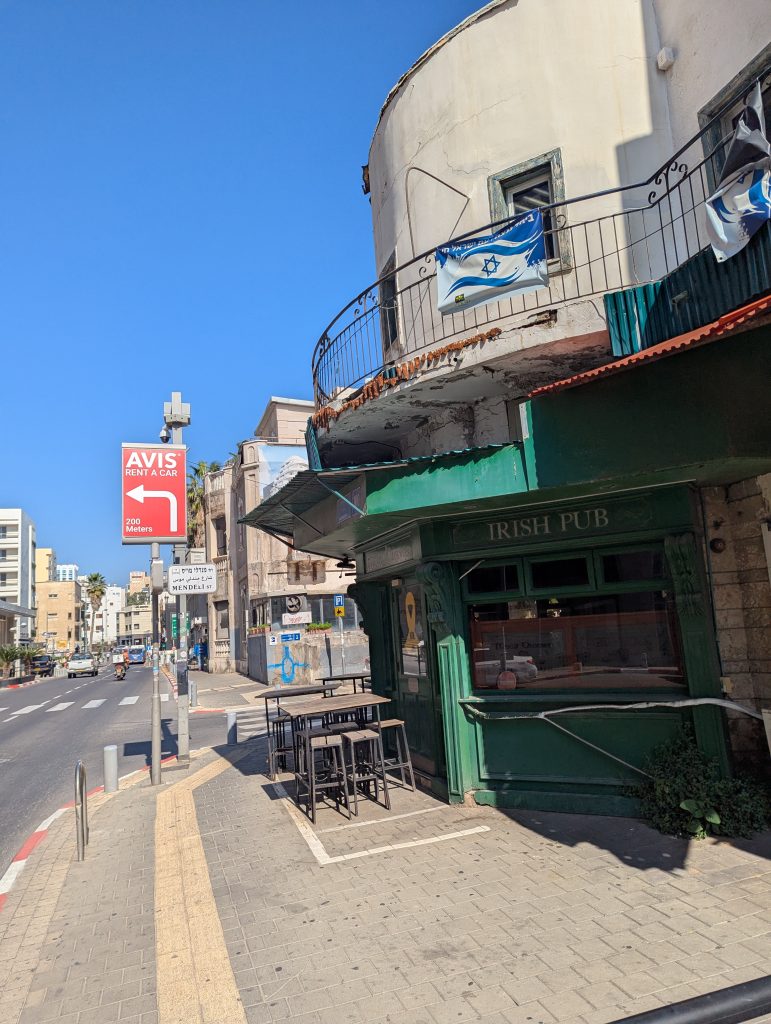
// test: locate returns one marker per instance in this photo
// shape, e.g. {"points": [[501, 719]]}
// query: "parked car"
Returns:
{"points": [[81, 665], [43, 665]]}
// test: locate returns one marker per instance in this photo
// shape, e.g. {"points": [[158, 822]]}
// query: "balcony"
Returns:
{"points": [[624, 241], [221, 565]]}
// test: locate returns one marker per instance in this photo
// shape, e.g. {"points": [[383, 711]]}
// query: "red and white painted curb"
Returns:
{"points": [[19, 862]]}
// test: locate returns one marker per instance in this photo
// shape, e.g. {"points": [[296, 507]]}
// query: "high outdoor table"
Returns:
{"points": [[277, 692], [350, 702], [347, 677], [276, 747]]}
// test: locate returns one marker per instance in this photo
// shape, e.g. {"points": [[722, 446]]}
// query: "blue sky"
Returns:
{"points": [[180, 208]]}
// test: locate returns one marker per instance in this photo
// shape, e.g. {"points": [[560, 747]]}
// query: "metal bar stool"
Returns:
{"points": [[278, 747], [368, 768], [331, 774], [402, 759]]}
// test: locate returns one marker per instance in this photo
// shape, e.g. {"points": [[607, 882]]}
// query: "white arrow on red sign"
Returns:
{"points": [[139, 494]]}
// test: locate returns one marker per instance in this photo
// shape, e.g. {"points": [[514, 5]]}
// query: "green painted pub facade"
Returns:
{"points": [[540, 612]]}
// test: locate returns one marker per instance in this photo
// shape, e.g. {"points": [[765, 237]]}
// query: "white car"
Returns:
{"points": [[81, 665]]}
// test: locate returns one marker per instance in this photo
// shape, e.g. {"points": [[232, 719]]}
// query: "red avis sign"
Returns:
{"points": [[154, 488]]}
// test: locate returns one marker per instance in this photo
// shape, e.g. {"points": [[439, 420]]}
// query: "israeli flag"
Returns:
{"points": [[490, 268], [742, 202]]}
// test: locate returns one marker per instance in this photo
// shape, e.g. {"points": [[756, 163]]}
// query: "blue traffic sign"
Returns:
{"points": [[339, 600], [288, 637]]}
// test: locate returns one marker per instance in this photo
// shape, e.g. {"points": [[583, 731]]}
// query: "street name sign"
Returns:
{"points": [[192, 579], [288, 638], [154, 489]]}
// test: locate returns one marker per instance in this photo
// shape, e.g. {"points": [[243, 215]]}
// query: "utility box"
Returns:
{"points": [[182, 683]]}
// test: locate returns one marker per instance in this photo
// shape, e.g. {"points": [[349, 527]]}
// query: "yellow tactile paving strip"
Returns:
{"points": [[194, 977]]}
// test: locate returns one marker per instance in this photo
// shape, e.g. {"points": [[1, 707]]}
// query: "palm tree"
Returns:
{"points": [[8, 655], [96, 586], [195, 479]]}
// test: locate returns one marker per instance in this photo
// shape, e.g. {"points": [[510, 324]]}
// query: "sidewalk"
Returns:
{"points": [[211, 900]]}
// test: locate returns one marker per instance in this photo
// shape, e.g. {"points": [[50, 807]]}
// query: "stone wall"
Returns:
{"points": [[739, 515]]}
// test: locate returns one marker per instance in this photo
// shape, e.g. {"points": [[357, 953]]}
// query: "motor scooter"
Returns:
{"points": [[120, 671]]}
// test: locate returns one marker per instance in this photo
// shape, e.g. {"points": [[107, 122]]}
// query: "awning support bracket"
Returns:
{"points": [[342, 497]]}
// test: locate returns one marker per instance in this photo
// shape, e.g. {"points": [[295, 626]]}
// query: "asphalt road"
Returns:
{"points": [[45, 728]]}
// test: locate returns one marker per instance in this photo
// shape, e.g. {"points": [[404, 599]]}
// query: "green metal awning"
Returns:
{"points": [[282, 512]]}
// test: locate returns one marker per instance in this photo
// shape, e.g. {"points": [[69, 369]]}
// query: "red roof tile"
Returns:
{"points": [[710, 332]]}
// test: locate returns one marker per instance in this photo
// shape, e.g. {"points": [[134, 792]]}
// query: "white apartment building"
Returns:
{"points": [[67, 572], [106, 625], [17, 569]]}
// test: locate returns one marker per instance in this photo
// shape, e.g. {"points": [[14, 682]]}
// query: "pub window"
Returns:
{"points": [[632, 566], [556, 573], [490, 579], [598, 642]]}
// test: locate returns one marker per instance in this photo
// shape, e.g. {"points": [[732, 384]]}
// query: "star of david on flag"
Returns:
{"points": [[490, 268], [741, 203]]}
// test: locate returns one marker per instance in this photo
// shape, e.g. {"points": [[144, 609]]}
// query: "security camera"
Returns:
{"points": [[164, 435]]}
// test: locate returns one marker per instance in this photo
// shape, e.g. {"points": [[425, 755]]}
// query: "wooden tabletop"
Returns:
{"points": [[348, 676], [346, 702], [296, 691]]}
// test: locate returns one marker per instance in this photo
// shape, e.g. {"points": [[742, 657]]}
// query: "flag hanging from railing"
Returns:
{"points": [[742, 201], [490, 268]]}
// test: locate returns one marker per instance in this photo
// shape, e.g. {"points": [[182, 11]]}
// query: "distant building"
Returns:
{"points": [[139, 581], [67, 572], [45, 565], [60, 621], [106, 619], [17, 571], [135, 625], [265, 587]]}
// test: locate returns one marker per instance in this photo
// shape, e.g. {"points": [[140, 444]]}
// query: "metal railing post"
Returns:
{"points": [[81, 810]]}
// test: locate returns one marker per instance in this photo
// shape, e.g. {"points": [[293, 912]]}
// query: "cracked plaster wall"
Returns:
{"points": [[459, 426], [525, 79]]}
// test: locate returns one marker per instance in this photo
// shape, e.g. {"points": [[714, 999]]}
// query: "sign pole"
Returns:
{"points": [[342, 643], [176, 415]]}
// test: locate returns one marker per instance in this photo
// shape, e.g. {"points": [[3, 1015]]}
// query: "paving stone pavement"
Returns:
{"points": [[519, 918], [545, 917]]}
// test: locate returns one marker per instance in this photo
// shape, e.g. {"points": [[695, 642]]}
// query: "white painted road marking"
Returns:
{"points": [[26, 710], [59, 707], [95, 703], [128, 700]]}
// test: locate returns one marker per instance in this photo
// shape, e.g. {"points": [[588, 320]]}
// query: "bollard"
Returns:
{"points": [[155, 725], [232, 728], [111, 769]]}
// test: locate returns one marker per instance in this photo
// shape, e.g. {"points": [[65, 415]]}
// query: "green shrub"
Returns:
{"points": [[684, 795]]}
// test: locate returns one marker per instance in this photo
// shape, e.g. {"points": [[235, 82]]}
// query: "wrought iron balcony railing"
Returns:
{"points": [[603, 242]]}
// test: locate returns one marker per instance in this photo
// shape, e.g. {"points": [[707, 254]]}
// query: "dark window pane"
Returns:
{"points": [[563, 572], [490, 579], [633, 565]]}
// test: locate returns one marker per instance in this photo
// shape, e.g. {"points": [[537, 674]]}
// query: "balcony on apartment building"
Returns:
{"points": [[628, 268]]}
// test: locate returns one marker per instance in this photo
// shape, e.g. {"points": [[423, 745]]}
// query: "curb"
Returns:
{"points": [[19, 862]]}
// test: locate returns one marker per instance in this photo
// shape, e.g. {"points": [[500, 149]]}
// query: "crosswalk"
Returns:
{"points": [[56, 706]]}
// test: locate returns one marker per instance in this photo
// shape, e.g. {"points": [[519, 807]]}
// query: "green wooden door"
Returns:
{"points": [[416, 693]]}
